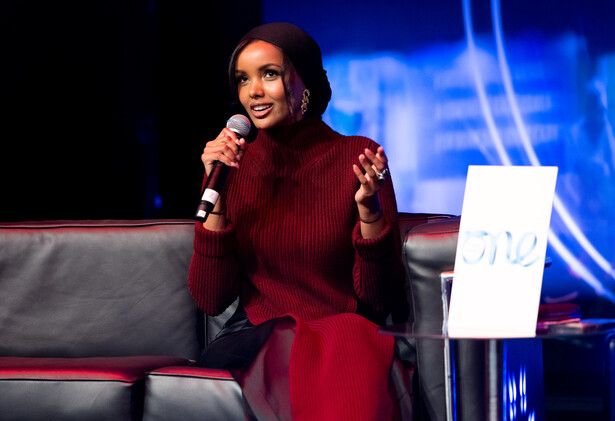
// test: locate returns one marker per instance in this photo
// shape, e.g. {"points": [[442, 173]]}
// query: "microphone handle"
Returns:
{"points": [[211, 192]]}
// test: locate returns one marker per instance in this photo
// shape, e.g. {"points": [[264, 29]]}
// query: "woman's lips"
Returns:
{"points": [[261, 110]]}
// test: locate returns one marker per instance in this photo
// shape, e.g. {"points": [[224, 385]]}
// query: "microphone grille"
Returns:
{"points": [[240, 124]]}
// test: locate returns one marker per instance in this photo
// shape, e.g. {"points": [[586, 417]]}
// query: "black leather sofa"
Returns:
{"points": [[97, 323]]}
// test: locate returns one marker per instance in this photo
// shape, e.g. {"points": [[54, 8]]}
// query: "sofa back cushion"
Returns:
{"points": [[97, 288]]}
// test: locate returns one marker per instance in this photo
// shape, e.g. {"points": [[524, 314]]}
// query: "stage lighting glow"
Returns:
{"points": [[558, 205]]}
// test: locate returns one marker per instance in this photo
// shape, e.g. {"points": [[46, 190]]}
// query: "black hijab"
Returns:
{"points": [[303, 52]]}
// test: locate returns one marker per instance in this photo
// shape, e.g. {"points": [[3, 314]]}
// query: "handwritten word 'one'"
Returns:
{"points": [[480, 245]]}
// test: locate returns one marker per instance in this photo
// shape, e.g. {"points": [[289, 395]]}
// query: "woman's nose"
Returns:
{"points": [[256, 88]]}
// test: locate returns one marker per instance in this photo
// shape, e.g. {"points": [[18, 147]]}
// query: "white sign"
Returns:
{"points": [[501, 251]]}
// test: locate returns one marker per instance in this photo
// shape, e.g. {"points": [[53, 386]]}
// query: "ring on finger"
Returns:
{"points": [[381, 176]]}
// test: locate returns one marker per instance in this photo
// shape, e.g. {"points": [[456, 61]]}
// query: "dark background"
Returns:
{"points": [[106, 105]]}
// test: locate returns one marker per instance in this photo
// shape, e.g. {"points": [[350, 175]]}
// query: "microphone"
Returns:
{"points": [[241, 125]]}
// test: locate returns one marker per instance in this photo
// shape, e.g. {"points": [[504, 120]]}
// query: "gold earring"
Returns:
{"points": [[305, 100]]}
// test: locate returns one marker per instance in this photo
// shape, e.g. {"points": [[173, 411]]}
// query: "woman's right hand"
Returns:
{"points": [[226, 148]]}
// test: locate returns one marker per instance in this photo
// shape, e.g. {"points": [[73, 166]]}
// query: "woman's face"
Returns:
{"points": [[261, 86]]}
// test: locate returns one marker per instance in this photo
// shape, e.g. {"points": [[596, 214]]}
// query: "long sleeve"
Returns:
{"points": [[378, 272], [213, 276]]}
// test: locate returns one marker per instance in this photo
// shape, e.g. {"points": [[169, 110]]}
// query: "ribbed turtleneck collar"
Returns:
{"points": [[293, 146]]}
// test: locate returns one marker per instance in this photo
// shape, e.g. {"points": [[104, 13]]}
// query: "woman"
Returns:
{"points": [[306, 236]]}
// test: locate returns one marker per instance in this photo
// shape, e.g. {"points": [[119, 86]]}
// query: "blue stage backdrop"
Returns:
{"points": [[447, 84]]}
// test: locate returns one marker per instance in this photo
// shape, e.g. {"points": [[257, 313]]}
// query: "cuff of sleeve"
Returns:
{"points": [[214, 243], [373, 248]]}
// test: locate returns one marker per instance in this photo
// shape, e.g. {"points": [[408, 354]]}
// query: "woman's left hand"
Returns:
{"points": [[372, 164]]}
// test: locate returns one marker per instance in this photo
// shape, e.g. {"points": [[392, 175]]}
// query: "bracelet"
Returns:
{"points": [[217, 213], [378, 218]]}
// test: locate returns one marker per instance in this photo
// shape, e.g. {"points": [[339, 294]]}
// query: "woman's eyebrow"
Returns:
{"points": [[264, 66]]}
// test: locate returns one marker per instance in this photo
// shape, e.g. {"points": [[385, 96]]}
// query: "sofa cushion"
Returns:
{"points": [[193, 393], [97, 288], [109, 388]]}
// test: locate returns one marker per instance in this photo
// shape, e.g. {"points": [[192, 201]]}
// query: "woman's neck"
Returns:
{"points": [[293, 145], [290, 130]]}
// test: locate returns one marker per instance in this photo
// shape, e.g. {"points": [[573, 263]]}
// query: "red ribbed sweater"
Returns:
{"points": [[293, 243], [293, 246]]}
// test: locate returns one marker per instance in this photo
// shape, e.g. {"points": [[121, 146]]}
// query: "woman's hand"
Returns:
{"points": [[371, 166], [226, 148]]}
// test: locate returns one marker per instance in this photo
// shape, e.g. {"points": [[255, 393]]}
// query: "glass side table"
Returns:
{"points": [[513, 366]]}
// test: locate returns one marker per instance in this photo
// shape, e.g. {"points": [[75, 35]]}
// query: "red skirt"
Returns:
{"points": [[336, 368]]}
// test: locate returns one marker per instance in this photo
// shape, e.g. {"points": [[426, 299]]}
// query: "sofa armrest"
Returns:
{"points": [[428, 250]]}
